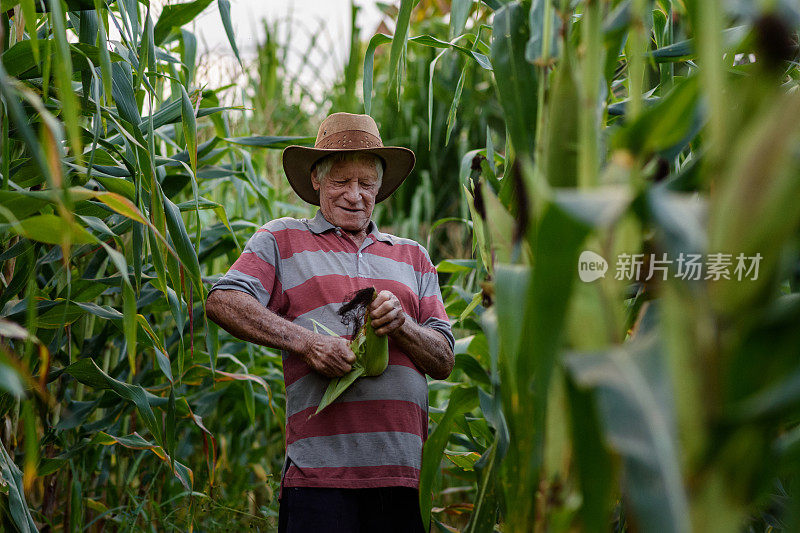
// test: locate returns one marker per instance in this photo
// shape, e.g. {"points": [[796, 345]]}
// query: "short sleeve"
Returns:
{"points": [[431, 307], [254, 272]]}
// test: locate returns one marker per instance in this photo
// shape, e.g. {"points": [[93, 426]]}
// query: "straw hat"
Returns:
{"points": [[345, 132]]}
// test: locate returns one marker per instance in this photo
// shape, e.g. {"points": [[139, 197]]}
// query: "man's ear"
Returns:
{"points": [[314, 180]]}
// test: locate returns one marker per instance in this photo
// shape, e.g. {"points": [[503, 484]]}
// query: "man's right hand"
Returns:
{"points": [[330, 356], [244, 316]]}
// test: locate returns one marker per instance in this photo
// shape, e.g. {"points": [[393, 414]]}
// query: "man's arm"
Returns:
{"points": [[244, 317], [427, 347]]}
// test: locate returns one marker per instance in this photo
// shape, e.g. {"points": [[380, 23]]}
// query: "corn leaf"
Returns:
{"points": [[462, 400], [225, 15], [516, 79], [17, 506], [52, 229], [175, 16], [592, 458], [63, 75], [278, 143], [459, 13], [87, 372], [337, 386], [29, 12], [182, 242], [137, 442], [369, 60], [129, 323], [189, 127], [122, 92], [399, 44], [633, 398]]}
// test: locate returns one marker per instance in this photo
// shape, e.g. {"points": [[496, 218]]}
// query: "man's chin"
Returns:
{"points": [[352, 219], [351, 229]]}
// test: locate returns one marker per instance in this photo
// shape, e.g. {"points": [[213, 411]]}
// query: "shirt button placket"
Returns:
{"points": [[360, 256]]}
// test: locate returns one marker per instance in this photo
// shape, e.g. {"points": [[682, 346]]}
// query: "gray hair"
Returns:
{"points": [[324, 165]]}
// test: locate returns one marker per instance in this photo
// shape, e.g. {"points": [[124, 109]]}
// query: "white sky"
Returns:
{"points": [[306, 17]]}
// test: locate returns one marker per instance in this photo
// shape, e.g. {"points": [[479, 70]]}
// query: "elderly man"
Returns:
{"points": [[355, 465]]}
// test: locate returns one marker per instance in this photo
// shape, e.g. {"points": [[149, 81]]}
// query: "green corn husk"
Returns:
{"points": [[372, 358], [376, 350]]}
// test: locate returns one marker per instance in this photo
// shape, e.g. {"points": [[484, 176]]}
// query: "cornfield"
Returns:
{"points": [[609, 188]]}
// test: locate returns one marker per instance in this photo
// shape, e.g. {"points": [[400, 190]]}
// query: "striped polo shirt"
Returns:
{"points": [[303, 270]]}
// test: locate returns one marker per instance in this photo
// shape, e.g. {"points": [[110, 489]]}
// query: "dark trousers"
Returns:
{"points": [[317, 510]]}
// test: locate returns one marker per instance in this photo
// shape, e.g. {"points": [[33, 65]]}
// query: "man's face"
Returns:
{"points": [[347, 193]]}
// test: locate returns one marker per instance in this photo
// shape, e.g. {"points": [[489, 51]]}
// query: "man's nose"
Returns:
{"points": [[352, 192]]}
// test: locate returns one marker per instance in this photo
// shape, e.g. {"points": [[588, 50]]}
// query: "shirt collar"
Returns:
{"points": [[319, 224]]}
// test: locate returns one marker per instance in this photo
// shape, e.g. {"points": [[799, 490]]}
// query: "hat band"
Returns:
{"points": [[349, 139]]}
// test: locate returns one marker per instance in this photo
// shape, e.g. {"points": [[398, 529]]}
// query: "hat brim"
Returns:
{"points": [[298, 161]]}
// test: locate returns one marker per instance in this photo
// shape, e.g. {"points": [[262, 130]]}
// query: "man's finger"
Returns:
{"points": [[327, 369], [394, 324], [336, 369], [382, 309], [385, 318], [382, 297], [345, 352], [344, 356], [385, 330], [342, 368]]}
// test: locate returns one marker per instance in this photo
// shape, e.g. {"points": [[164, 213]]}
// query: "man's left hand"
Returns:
{"points": [[387, 313]]}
